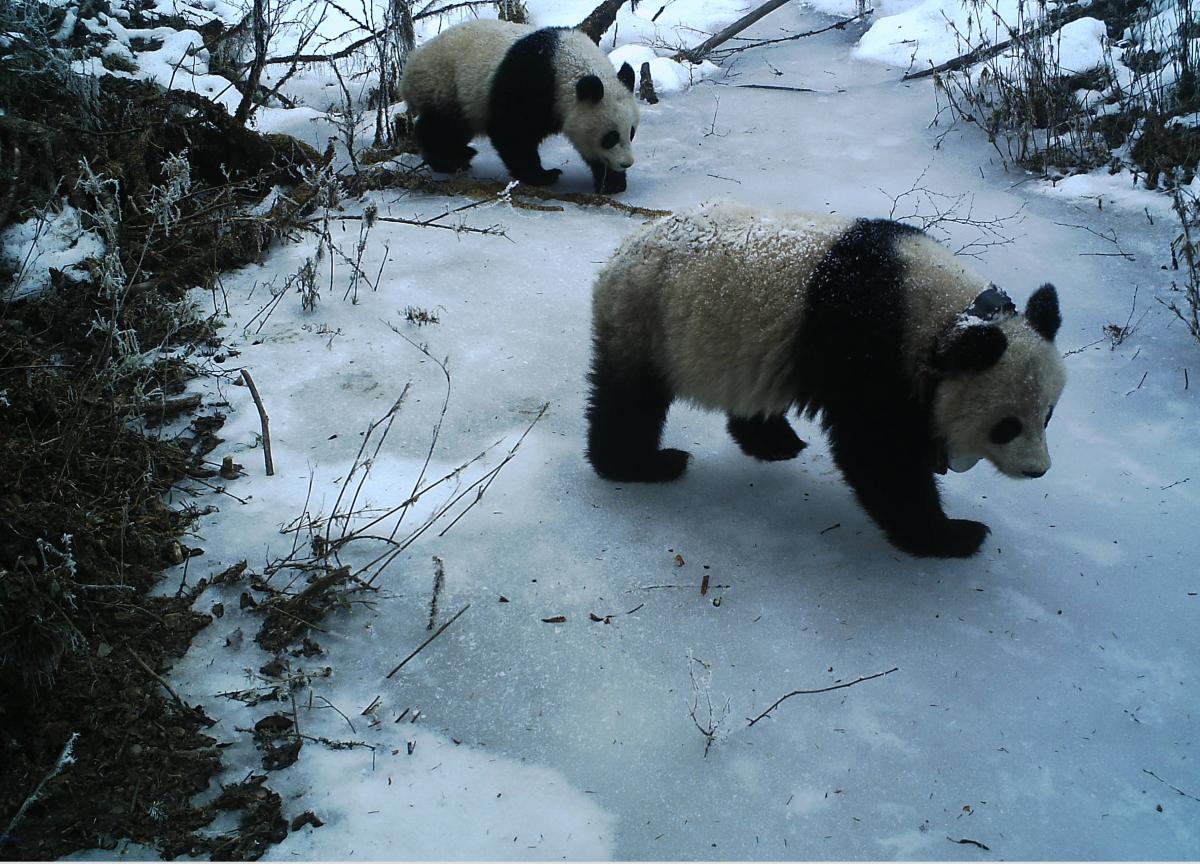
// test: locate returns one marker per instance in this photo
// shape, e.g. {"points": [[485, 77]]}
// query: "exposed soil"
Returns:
{"points": [[94, 745]]}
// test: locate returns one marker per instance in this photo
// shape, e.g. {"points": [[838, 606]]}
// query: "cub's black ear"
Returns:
{"points": [[589, 88], [625, 75], [969, 349], [1042, 312]]}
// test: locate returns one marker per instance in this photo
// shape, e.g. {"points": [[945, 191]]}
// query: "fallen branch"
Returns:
{"points": [[837, 25], [421, 647], [695, 55], [264, 420], [821, 690], [466, 187]]}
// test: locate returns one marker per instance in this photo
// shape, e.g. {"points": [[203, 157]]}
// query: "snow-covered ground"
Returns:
{"points": [[1045, 697]]}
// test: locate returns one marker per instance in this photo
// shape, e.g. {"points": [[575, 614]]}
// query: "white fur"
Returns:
{"points": [[714, 297], [585, 123], [456, 69]]}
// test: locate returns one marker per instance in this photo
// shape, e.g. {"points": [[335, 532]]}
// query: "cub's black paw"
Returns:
{"points": [[451, 163], [662, 466], [605, 180], [770, 440], [953, 538], [543, 177]]}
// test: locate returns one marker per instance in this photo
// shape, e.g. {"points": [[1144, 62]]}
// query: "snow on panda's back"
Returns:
{"points": [[718, 295]]}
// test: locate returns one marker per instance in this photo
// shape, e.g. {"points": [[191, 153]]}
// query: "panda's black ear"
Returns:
{"points": [[969, 349], [589, 88], [625, 75], [1042, 312]]}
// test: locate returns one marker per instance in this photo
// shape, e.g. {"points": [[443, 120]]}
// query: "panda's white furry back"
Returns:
{"points": [[914, 363], [519, 85]]}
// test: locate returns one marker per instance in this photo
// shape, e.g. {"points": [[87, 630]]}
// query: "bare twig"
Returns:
{"points": [[439, 582], [64, 759], [158, 678], [421, 647], [821, 690], [263, 419], [1168, 785]]}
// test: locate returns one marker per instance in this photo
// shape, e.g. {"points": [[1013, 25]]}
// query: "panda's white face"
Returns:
{"points": [[603, 130], [1001, 413]]}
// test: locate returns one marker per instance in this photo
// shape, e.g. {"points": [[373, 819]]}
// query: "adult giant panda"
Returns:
{"points": [[519, 85], [914, 363]]}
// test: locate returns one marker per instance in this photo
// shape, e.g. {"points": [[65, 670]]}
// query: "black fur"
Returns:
{"points": [[848, 362], [848, 368], [972, 348], [1042, 312], [606, 180], [625, 416], [521, 106], [444, 136], [770, 439], [625, 76], [589, 88]]}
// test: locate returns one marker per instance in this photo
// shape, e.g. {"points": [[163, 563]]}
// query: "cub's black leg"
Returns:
{"points": [[625, 415], [520, 156], [769, 438], [885, 462], [443, 137], [605, 180]]}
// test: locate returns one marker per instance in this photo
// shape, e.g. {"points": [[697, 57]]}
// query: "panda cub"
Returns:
{"points": [[519, 86], [914, 363]]}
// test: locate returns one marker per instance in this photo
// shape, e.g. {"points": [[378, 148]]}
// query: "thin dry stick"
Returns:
{"points": [[821, 690], [427, 641], [439, 582], [158, 678], [65, 758], [263, 419]]}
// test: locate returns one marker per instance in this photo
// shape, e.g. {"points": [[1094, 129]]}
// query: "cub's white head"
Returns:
{"points": [[1000, 378]]}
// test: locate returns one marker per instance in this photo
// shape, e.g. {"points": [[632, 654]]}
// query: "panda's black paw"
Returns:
{"points": [[953, 538], [661, 466], [541, 177], [770, 439], [960, 538], [612, 183]]}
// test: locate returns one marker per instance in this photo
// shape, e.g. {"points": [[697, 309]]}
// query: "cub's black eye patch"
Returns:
{"points": [[632, 132], [610, 139], [1049, 414], [1005, 431]]}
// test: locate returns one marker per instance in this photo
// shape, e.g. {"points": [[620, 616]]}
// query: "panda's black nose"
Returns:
{"points": [[1034, 474]]}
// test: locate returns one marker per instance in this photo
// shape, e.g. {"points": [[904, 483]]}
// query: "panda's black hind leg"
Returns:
{"points": [[625, 415], [766, 437], [444, 138]]}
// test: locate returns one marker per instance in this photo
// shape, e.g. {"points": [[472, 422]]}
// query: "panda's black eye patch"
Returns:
{"points": [[1005, 431], [1049, 414], [632, 132], [610, 139]]}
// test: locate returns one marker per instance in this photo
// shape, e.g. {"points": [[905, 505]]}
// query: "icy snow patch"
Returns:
{"points": [[33, 247], [669, 76]]}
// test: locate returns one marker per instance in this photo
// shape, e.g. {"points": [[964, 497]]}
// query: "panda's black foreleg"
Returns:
{"points": [[626, 411], [519, 153], [444, 138], [886, 462], [766, 437]]}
